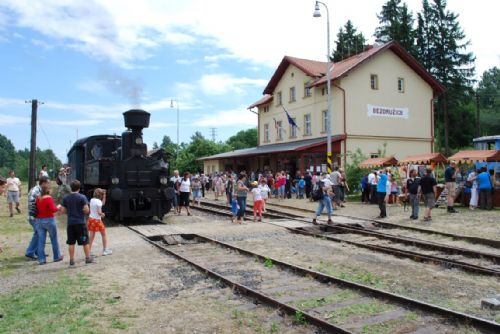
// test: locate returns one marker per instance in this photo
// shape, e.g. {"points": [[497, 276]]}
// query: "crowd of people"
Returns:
{"points": [[42, 209]]}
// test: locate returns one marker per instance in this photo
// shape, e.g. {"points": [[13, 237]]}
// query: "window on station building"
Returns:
{"points": [[292, 94], [401, 85], [266, 133], [279, 125], [374, 155], [307, 125], [293, 129], [374, 81], [307, 90], [324, 121], [279, 99], [265, 109], [323, 91]]}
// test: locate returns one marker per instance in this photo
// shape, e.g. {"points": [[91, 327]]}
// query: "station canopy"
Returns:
{"points": [[379, 162], [426, 158], [470, 156]]}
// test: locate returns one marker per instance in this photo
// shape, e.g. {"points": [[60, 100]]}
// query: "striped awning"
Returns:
{"points": [[423, 159], [379, 162], [471, 156]]}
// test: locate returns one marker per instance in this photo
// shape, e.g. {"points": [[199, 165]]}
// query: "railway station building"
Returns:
{"points": [[382, 100]]}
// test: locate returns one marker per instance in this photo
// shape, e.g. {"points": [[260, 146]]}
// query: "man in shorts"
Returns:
{"points": [[76, 206], [13, 185], [428, 186], [450, 175]]}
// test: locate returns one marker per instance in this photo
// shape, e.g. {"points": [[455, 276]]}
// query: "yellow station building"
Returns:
{"points": [[382, 98]]}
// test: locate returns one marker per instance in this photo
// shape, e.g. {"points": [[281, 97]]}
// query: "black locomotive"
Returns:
{"points": [[136, 181]]}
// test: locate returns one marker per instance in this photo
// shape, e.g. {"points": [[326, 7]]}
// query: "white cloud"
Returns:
{"points": [[221, 84], [236, 117], [257, 31], [42, 44], [14, 120]]}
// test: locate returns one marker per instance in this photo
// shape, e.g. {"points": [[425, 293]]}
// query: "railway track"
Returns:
{"points": [[411, 248], [335, 305], [389, 226]]}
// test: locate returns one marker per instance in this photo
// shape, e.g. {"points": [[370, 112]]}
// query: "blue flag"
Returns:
{"points": [[290, 119]]}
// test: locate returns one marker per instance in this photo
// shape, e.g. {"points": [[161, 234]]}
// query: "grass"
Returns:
{"points": [[363, 309], [299, 318], [63, 306], [358, 275], [268, 263], [317, 302]]}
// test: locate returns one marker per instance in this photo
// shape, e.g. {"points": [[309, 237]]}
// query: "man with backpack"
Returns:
{"points": [[413, 188], [321, 193]]}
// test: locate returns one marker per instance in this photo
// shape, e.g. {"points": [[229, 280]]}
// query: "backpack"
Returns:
{"points": [[317, 192]]}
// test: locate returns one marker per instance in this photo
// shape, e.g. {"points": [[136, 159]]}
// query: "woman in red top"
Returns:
{"points": [[44, 223]]}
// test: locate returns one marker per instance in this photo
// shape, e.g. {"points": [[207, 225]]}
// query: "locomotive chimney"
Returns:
{"points": [[132, 143]]}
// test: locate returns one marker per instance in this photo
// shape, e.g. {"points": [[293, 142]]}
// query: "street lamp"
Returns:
{"points": [[171, 106], [329, 68]]}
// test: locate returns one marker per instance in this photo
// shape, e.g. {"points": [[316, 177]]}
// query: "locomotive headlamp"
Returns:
{"points": [[138, 140], [163, 180], [115, 180]]}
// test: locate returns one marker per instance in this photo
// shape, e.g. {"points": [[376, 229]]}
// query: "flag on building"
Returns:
{"points": [[291, 121]]}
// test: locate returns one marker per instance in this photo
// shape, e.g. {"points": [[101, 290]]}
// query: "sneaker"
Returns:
{"points": [[59, 259], [415, 218], [31, 257], [18, 211], [89, 260], [452, 210], [330, 222], [71, 263], [42, 263], [315, 222], [107, 251]]}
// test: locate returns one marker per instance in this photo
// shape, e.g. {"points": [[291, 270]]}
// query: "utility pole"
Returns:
{"points": [[213, 133], [478, 122], [32, 166]]}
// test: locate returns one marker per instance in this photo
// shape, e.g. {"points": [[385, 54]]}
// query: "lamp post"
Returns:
{"points": [[329, 67], [171, 106]]}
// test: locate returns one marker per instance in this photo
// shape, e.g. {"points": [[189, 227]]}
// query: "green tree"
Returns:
{"points": [[243, 139], [7, 155], [442, 50], [396, 24], [349, 42], [488, 94], [197, 148]]}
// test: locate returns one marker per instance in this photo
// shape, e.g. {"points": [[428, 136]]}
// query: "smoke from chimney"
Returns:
{"points": [[116, 82]]}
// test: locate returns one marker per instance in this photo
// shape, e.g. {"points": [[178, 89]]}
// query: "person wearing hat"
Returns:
{"points": [[450, 175], [428, 186]]}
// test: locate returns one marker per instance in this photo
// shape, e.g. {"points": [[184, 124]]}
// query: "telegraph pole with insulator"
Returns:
{"points": [[32, 167]]}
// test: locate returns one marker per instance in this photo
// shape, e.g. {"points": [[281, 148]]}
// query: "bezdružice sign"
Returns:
{"points": [[388, 112]]}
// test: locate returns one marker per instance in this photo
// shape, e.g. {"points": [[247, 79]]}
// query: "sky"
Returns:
{"points": [[89, 61]]}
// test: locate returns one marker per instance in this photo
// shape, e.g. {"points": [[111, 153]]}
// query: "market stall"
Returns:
{"points": [[379, 162], [477, 159]]}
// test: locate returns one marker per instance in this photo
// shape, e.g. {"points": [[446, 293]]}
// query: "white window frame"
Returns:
{"points": [[374, 81], [401, 85], [307, 125], [307, 90], [279, 98], [324, 121], [266, 133], [280, 130], [293, 96]]}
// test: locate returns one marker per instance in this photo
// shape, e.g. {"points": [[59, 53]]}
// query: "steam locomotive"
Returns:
{"points": [[136, 180]]}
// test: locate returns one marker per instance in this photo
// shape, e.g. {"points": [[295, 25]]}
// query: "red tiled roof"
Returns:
{"points": [[476, 156], [376, 162], [317, 69], [266, 99], [425, 158]]}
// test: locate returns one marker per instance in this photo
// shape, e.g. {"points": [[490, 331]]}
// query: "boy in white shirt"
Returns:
{"points": [[257, 201], [264, 192]]}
